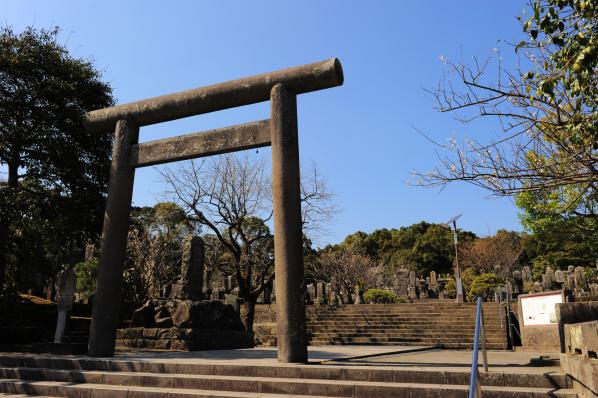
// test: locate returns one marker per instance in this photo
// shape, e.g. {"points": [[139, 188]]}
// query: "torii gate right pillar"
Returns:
{"points": [[288, 240]]}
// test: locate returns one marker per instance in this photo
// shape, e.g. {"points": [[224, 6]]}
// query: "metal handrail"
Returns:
{"points": [[475, 390]]}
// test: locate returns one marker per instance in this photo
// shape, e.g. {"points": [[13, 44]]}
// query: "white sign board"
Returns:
{"points": [[540, 310]]}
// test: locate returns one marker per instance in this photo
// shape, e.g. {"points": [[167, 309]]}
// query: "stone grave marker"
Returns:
{"points": [[65, 288]]}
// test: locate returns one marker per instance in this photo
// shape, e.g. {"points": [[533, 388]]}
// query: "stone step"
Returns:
{"points": [[456, 346], [395, 307], [265, 389], [430, 303], [398, 323], [422, 323], [403, 328], [399, 337], [350, 333], [400, 308], [73, 369], [398, 314], [400, 340]]}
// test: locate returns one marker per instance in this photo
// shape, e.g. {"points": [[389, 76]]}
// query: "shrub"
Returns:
{"points": [[483, 286], [379, 296], [87, 273], [450, 289]]}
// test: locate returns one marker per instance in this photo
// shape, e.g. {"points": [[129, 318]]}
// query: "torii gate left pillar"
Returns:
{"points": [[281, 131]]}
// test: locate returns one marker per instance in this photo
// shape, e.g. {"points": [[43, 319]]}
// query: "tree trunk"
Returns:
{"points": [[249, 316], [13, 175], [3, 254], [13, 182]]}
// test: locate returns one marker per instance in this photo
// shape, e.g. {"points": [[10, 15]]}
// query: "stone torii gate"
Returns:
{"points": [[280, 131]]}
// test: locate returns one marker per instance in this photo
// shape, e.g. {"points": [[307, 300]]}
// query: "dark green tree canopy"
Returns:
{"points": [[56, 172], [423, 247], [43, 94]]}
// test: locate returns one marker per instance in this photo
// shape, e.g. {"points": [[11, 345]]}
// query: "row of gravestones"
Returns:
{"points": [[406, 283], [572, 279]]}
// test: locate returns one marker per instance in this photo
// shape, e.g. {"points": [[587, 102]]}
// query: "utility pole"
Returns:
{"points": [[459, 283]]}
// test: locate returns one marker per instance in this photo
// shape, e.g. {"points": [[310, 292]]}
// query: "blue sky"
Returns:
{"points": [[361, 135]]}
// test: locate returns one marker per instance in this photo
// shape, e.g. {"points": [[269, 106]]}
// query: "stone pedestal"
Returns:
{"points": [[185, 325]]}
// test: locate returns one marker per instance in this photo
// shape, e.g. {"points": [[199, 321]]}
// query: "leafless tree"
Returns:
{"points": [[536, 148], [494, 254], [347, 270], [231, 196], [153, 260]]}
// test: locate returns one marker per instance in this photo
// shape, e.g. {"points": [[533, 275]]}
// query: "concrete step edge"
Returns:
{"points": [[361, 389], [310, 374]]}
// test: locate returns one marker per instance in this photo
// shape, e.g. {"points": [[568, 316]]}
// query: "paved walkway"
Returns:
{"points": [[370, 356], [404, 357], [505, 361], [262, 355]]}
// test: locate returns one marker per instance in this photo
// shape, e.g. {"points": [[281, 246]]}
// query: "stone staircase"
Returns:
{"points": [[121, 378], [426, 323]]}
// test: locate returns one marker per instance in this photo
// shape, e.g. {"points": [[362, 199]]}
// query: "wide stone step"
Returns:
{"points": [[397, 323], [394, 319], [167, 373], [138, 384], [417, 328], [337, 389], [406, 310], [398, 340], [381, 336], [383, 328], [456, 346], [440, 315], [65, 389]]}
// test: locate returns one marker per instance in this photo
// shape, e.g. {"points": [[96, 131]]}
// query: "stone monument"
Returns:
{"points": [[189, 286], [65, 289]]}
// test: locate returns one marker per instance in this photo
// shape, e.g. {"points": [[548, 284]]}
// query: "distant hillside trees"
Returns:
{"points": [[422, 247]]}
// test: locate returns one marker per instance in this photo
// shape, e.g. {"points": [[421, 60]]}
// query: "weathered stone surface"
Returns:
{"points": [[202, 144], [549, 275], [249, 90], [580, 279], [65, 287], [412, 279], [183, 339], [189, 286], [161, 313], [185, 325], [584, 373], [181, 315], [526, 274], [288, 262], [187, 314], [144, 316], [164, 322], [114, 243], [517, 282], [582, 338], [401, 282]]}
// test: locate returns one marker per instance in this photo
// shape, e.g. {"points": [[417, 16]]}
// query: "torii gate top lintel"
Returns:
{"points": [[249, 90]]}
